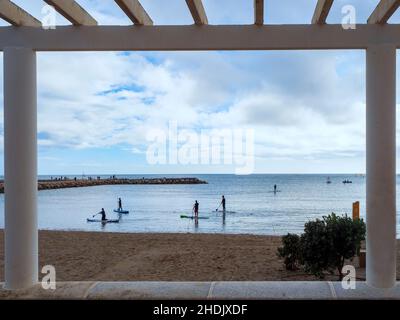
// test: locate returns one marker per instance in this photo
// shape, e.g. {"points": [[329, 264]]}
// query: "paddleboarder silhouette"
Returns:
{"points": [[196, 209]]}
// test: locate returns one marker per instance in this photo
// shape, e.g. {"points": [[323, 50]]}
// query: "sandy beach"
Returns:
{"points": [[167, 257]]}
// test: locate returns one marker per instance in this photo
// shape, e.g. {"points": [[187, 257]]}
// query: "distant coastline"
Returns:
{"points": [[64, 182]]}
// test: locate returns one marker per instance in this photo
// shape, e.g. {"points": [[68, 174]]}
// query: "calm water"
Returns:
{"points": [[251, 204]]}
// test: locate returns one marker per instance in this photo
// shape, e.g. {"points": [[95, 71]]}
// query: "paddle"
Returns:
{"points": [[218, 207], [96, 214], [193, 214]]}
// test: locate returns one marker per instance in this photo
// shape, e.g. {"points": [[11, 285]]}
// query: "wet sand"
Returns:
{"points": [[103, 256]]}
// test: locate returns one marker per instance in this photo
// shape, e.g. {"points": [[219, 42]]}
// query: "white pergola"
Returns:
{"points": [[25, 37]]}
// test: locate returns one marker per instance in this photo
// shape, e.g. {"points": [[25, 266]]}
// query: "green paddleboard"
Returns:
{"points": [[183, 216]]}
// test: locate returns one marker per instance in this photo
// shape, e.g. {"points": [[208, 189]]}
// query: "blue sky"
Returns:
{"points": [[307, 109]]}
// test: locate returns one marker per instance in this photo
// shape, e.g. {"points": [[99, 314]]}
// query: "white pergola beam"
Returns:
{"points": [[321, 11], [259, 12], [197, 10], [73, 12], [17, 16], [135, 11], [383, 11], [193, 38]]}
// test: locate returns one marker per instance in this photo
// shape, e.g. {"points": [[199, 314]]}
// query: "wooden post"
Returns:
{"points": [[356, 215], [356, 210]]}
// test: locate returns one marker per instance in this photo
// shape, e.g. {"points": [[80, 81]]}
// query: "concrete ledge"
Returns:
{"points": [[150, 290], [262, 290], [271, 290], [364, 291], [65, 290]]}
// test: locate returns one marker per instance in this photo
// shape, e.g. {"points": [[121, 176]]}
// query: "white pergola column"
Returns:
{"points": [[20, 168], [381, 166]]}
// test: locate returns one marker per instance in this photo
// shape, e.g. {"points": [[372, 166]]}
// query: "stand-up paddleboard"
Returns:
{"points": [[226, 211], [121, 211], [272, 191], [183, 216], [103, 221]]}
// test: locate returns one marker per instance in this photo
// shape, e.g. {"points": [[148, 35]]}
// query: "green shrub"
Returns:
{"points": [[324, 246], [345, 235], [291, 251], [315, 245]]}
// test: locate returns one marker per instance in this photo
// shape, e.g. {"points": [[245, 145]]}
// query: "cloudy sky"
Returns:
{"points": [[307, 108]]}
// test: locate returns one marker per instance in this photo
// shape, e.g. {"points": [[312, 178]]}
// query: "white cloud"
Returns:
{"points": [[106, 99]]}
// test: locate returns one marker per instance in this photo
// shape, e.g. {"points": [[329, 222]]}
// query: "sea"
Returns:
{"points": [[252, 206]]}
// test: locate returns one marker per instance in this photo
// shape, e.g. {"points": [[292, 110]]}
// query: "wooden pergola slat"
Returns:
{"points": [[259, 12], [73, 12], [197, 10], [135, 11], [17, 16], [383, 11], [321, 11]]}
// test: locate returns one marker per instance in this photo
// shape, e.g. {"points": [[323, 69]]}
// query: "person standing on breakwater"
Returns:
{"points": [[196, 209]]}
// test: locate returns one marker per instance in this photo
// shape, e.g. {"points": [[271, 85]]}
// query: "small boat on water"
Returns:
{"points": [[347, 181]]}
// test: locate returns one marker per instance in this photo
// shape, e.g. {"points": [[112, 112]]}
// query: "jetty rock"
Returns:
{"points": [[62, 183]]}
